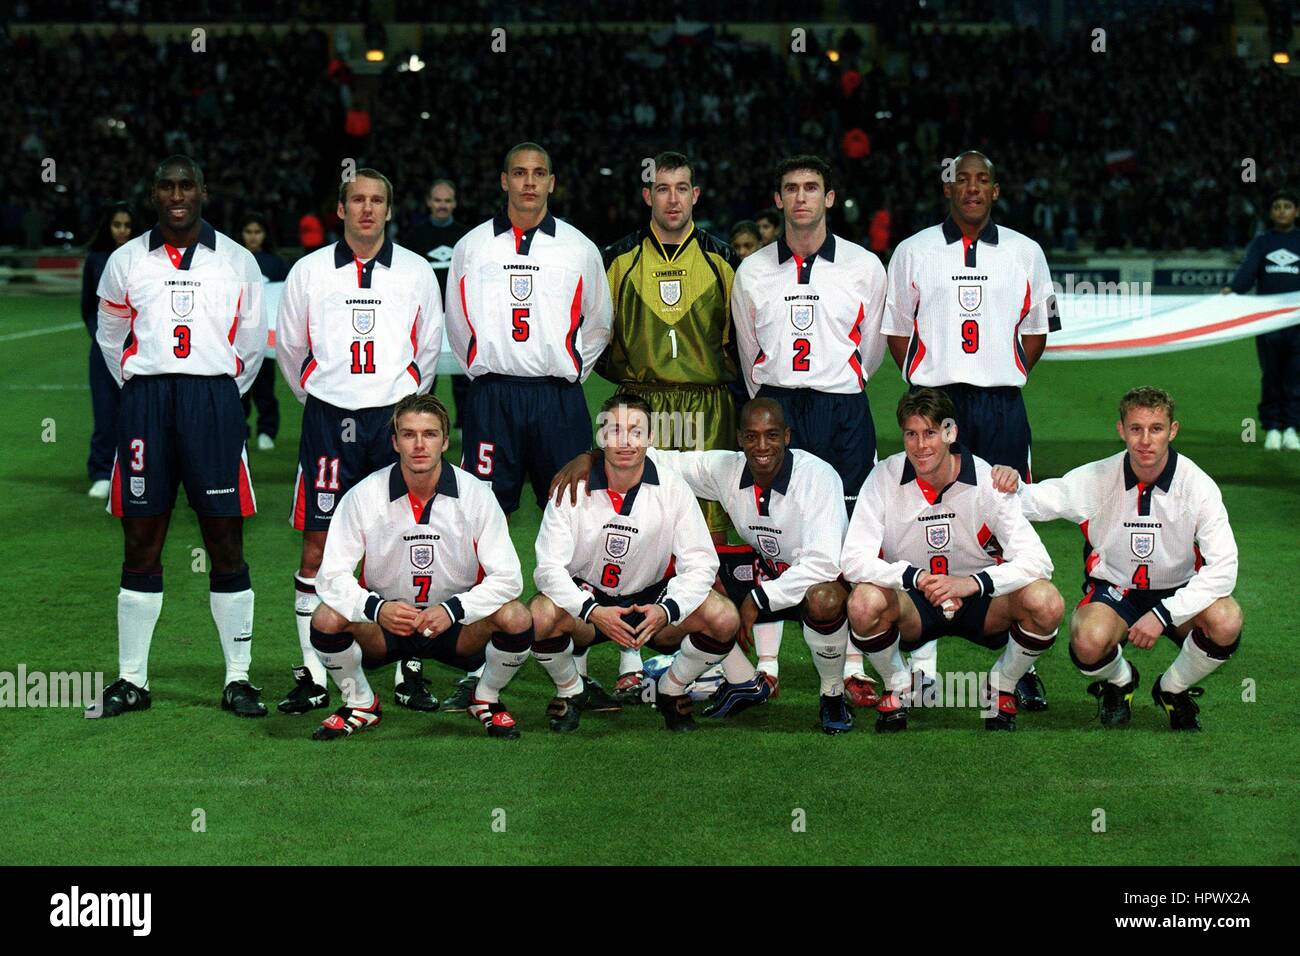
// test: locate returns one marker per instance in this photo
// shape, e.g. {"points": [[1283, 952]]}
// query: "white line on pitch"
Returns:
{"points": [[48, 330]]}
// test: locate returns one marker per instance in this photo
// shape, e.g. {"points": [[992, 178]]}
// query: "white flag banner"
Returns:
{"points": [[1119, 325]]}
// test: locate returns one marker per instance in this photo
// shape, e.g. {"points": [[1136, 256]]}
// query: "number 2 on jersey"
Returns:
{"points": [[802, 349]]}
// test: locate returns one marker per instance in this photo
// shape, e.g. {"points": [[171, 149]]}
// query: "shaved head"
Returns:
{"points": [[178, 163], [755, 406]]}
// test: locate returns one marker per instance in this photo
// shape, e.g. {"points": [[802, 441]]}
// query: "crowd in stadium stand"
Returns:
{"points": [[1137, 147]]}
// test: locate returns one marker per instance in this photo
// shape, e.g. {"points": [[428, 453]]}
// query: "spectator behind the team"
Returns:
{"points": [[770, 225], [254, 233], [117, 224], [1270, 264], [745, 238]]}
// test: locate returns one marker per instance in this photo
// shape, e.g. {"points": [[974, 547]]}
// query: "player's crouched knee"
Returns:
{"points": [[1044, 605], [721, 620], [328, 620], [1222, 622], [824, 603], [513, 618], [866, 605]]}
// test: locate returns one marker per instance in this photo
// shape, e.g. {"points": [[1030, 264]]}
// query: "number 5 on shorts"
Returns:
{"points": [[486, 450]]}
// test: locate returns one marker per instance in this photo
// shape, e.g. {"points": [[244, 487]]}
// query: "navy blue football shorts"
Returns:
{"points": [[174, 429], [836, 428], [338, 447], [518, 428]]}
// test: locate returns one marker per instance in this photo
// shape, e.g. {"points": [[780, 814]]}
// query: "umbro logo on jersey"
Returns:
{"points": [[969, 297], [1143, 543], [1282, 257], [421, 556], [521, 287], [363, 320], [801, 316], [670, 291]]}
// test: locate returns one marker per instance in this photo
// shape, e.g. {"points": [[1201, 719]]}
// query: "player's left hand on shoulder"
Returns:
{"points": [[569, 477], [1146, 631], [1005, 478]]}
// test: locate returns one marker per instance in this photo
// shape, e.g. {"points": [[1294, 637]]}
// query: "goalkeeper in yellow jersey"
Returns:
{"points": [[672, 341]]}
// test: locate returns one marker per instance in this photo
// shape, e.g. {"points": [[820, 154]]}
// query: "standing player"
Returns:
{"points": [[807, 309], [632, 563], [528, 314], [182, 330], [969, 308], [915, 550], [788, 507], [671, 341], [359, 327], [441, 577], [1161, 559], [1273, 264]]}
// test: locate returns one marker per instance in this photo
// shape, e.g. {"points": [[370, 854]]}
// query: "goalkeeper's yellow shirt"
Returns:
{"points": [[672, 316]]}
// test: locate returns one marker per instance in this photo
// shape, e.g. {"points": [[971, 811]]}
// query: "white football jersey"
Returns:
{"points": [[1173, 533], [903, 526], [796, 526], [359, 334], [965, 303], [527, 302], [454, 551], [622, 544], [809, 323], [194, 311]]}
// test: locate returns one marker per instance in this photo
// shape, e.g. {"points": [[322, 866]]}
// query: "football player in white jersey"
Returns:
{"points": [[786, 506], [359, 327], [916, 551], [632, 563], [1161, 559], [440, 578]]}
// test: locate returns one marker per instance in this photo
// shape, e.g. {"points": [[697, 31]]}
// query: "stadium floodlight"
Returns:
{"points": [[833, 55], [374, 56], [1281, 57], [415, 64]]}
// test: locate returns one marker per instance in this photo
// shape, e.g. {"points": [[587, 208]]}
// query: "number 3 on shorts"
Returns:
{"points": [[485, 451]]}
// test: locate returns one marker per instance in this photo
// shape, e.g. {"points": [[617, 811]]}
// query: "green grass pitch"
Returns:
{"points": [[429, 788]]}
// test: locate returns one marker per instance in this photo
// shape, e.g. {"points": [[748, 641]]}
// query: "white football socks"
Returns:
{"points": [[1117, 671], [891, 667], [629, 660], [137, 614], [1191, 665], [828, 657], [305, 601], [767, 644], [501, 666], [736, 667], [1015, 661], [924, 658], [853, 663], [561, 666], [689, 663], [345, 667], [233, 613]]}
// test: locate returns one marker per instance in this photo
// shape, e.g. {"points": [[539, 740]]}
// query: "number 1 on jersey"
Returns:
{"points": [[672, 337]]}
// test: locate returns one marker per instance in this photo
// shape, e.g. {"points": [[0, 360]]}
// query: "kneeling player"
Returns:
{"points": [[440, 579], [632, 563], [1161, 559], [916, 542], [787, 505]]}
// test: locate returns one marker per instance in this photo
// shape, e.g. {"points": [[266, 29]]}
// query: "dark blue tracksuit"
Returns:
{"points": [[1272, 265], [105, 396]]}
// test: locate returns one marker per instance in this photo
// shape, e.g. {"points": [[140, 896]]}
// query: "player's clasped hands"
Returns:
{"points": [[433, 621], [946, 589], [1005, 479], [398, 617]]}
